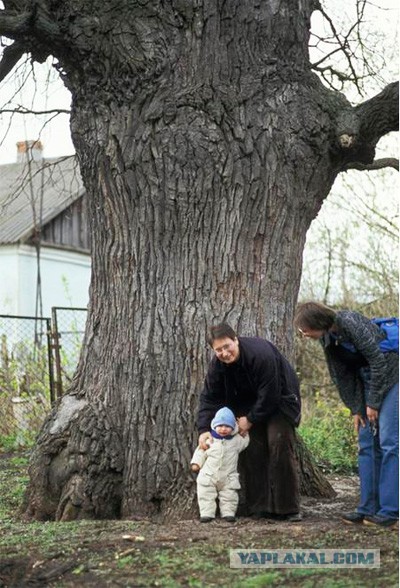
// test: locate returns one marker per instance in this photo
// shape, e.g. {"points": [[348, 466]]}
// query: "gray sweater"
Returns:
{"points": [[345, 368]]}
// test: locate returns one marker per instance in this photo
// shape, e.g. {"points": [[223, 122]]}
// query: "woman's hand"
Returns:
{"points": [[358, 421], [205, 440], [372, 415], [244, 426]]}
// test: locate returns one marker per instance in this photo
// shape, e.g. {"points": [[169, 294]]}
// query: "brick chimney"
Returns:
{"points": [[32, 150]]}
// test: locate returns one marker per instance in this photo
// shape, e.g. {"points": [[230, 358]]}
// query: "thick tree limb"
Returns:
{"points": [[375, 165], [36, 20], [32, 30], [11, 55], [380, 115], [12, 25], [359, 129]]}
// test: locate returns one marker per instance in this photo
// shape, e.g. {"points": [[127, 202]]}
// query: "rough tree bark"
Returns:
{"points": [[207, 146]]}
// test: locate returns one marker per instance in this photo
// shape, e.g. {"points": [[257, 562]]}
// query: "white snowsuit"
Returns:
{"points": [[218, 476]]}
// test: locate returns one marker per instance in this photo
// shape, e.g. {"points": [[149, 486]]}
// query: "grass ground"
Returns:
{"points": [[185, 554]]}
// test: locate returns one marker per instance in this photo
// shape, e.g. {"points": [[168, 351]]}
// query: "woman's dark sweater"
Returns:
{"points": [[345, 368]]}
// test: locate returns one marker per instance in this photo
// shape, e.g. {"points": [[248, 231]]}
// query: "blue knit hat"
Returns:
{"points": [[224, 416]]}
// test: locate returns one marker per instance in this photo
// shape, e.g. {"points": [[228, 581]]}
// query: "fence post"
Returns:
{"points": [[51, 361], [56, 346]]}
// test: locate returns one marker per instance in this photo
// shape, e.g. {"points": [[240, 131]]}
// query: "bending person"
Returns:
{"points": [[368, 384], [252, 378]]}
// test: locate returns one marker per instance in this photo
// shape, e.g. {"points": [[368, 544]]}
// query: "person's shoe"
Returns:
{"points": [[353, 518], [261, 514], [206, 519], [295, 517], [380, 521], [229, 519]]}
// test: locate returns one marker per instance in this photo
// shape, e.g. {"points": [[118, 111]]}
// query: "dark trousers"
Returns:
{"points": [[268, 469]]}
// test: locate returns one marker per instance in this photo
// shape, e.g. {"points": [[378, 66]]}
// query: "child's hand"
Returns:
{"points": [[194, 467]]}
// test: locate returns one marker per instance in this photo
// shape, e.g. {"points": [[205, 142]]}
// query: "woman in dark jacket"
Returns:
{"points": [[252, 378], [367, 381]]}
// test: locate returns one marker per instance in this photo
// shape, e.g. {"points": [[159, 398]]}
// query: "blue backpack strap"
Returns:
{"points": [[347, 345]]}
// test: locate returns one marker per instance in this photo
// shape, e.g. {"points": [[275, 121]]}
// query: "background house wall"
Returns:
{"points": [[42, 209], [65, 277]]}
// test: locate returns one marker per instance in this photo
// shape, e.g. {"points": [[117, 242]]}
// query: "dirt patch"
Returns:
{"points": [[136, 554], [346, 488], [30, 572]]}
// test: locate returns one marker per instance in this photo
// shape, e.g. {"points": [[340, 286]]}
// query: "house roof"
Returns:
{"points": [[32, 195]]}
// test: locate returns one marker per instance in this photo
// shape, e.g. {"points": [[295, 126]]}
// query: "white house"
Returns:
{"points": [[44, 241]]}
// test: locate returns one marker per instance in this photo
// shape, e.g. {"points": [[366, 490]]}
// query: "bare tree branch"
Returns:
{"points": [[316, 64], [23, 110], [344, 47], [352, 50], [366, 210]]}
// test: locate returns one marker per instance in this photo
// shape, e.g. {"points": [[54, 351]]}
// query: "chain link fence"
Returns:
{"points": [[68, 330], [38, 357]]}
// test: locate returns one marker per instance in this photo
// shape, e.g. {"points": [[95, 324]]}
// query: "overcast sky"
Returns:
{"points": [[55, 134]]}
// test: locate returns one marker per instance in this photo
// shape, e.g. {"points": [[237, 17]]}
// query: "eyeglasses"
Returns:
{"points": [[311, 333], [225, 347], [302, 333]]}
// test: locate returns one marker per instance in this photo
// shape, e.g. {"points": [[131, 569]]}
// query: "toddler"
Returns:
{"points": [[218, 477]]}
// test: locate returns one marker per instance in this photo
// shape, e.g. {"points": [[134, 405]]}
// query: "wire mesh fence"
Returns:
{"points": [[25, 374], [68, 326], [35, 369]]}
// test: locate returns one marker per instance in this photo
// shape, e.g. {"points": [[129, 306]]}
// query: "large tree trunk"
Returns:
{"points": [[206, 147]]}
